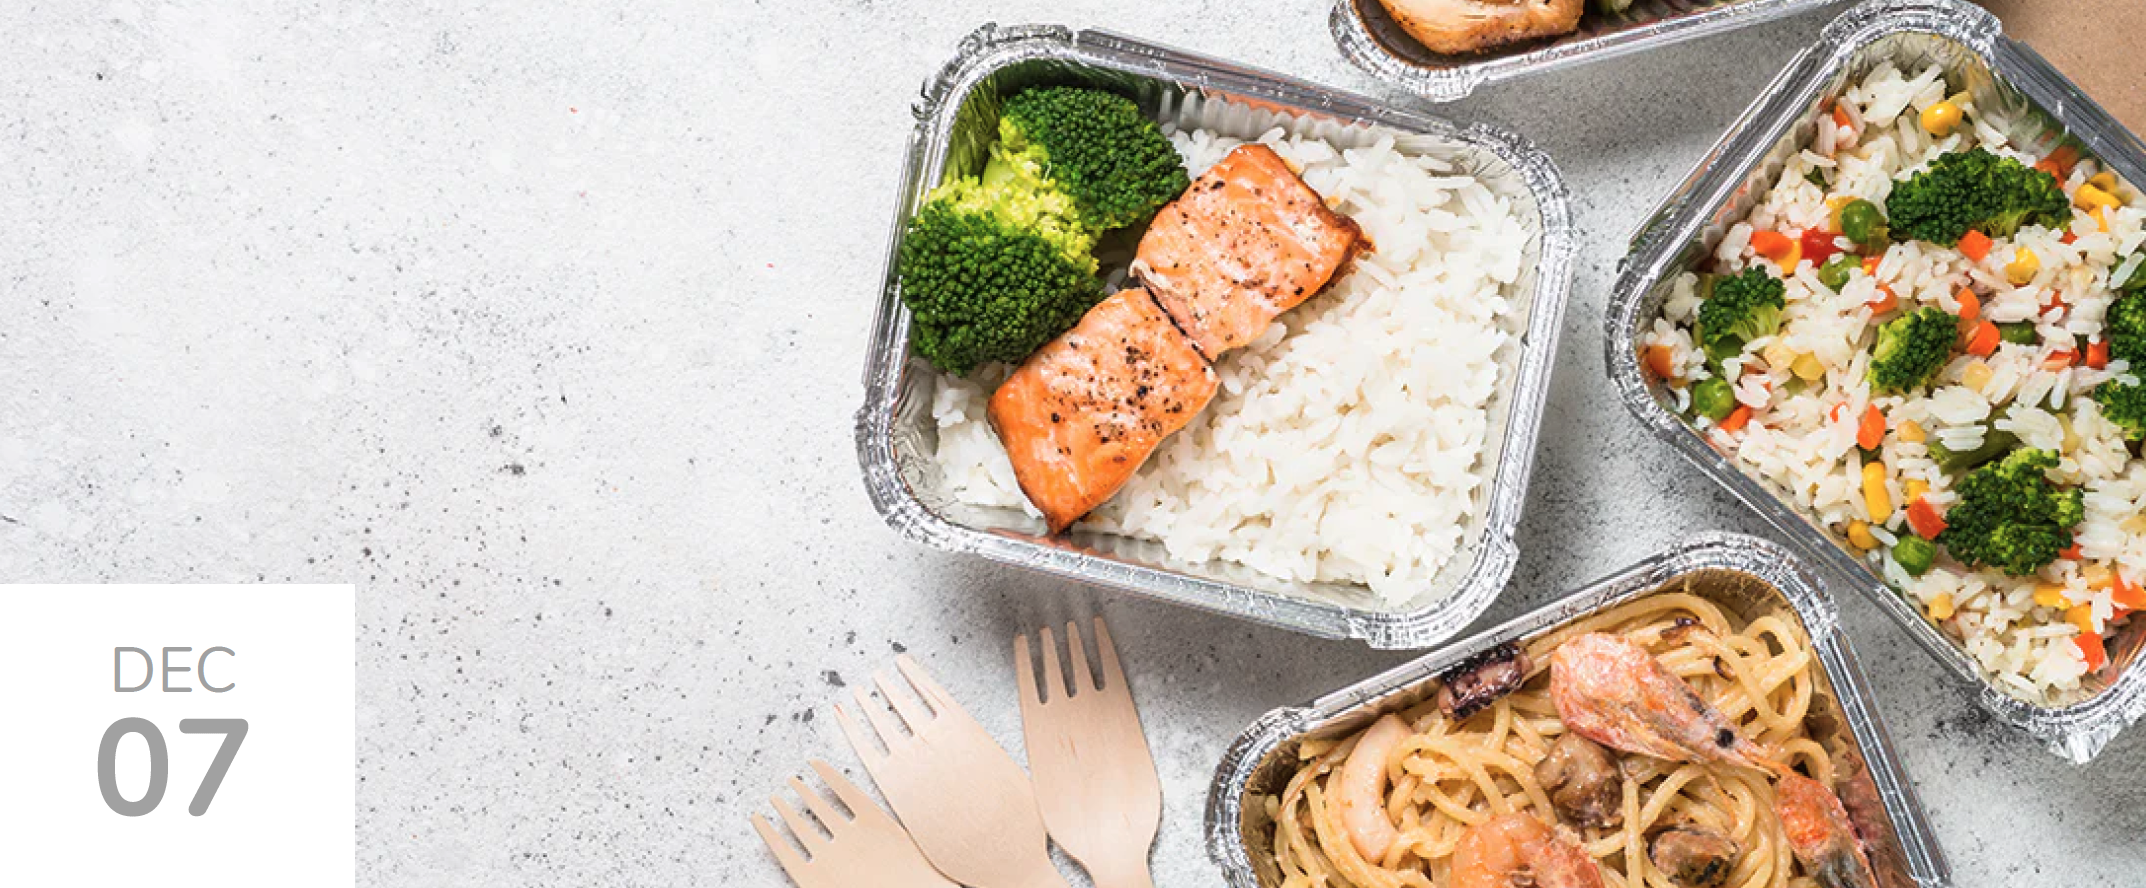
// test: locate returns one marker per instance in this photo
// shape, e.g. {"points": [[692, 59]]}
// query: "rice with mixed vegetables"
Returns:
{"points": [[1980, 460]]}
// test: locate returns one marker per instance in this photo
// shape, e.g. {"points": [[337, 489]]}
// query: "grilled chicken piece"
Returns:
{"points": [[1248, 241], [1458, 27], [1083, 412]]}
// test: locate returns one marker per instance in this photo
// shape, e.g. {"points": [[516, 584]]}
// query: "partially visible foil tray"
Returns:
{"points": [[896, 436], [1682, 234], [1747, 577], [1369, 37]]}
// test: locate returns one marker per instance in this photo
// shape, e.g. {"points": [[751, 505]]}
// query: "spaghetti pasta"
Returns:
{"points": [[1441, 777]]}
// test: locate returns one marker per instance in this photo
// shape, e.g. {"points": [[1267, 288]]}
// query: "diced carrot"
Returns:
{"points": [[1983, 341], [1772, 244], [1887, 301], [1870, 265], [2124, 594], [2062, 160], [1871, 433], [1834, 414], [1840, 117], [2090, 646], [2071, 554], [2097, 354], [2069, 238], [1737, 420], [1976, 246], [2060, 359], [1662, 360], [1970, 305], [1924, 519]]}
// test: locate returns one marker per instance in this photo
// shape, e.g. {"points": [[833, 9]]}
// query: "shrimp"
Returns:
{"points": [[1819, 831], [1362, 793], [1520, 851], [1613, 692]]}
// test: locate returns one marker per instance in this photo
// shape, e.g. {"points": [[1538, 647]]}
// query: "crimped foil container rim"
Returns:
{"points": [[2076, 731], [1496, 554], [1761, 559], [1449, 84]]}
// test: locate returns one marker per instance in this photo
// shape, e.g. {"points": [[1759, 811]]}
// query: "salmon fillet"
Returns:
{"points": [[1459, 27], [1248, 241], [1083, 412]]}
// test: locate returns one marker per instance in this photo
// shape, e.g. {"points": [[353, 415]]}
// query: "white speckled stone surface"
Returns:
{"points": [[542, 322]]}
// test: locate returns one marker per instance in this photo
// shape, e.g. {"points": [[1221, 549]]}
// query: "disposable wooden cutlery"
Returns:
{"points": [[1095, 779], [970, 808], [865, 848]]}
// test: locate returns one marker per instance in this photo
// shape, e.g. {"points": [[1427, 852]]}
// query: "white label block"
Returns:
{"points": [[260, 680]]}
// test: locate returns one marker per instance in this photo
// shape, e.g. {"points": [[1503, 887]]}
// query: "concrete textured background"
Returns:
{"points": [[542, 323]]}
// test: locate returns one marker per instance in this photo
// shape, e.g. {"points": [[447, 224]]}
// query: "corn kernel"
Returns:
{"points": [[2071, 439], [1977, 375], [2104, 180], [2090, 196], [1916, 490], [1778, 356], [2101, 219], [1794, 258], [1911, 433], [2133, 524], [1941, 119], [1875, 497], [2096, 574], [1859, 534], [2024, 266], [1837, 204], [2082, 617], [1808, 369], [2050, 595], [1940, 606]]}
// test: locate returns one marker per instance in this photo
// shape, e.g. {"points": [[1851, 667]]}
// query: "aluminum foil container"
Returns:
{"points": [[1747, 577], [1369, 37], [2000, 73], [956, 122]]}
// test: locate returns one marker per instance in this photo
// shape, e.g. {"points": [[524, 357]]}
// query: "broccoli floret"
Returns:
{"points": [[1739, 309], [2010, 517], [1977, 190], [995, 265], [2125, 405], [1098, 147], [2125, 327], [981, 289], [1912, 348]]}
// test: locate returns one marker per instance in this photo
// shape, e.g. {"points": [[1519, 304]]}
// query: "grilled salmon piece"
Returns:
{"points": [[1083, 412], [1248, 241], [1457, 27]]}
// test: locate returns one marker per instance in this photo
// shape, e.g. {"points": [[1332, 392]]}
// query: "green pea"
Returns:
{"points": [[1862, 222], [2021, 333], [1713, 399], [1915, 555], [1838, 270]]}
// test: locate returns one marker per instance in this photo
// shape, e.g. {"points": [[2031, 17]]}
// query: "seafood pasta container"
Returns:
{"points": [[896, 434], [1369, 37], [1682, 234], [1746, 578]]}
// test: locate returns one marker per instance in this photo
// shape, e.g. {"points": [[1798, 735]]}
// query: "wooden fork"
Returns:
{"points": [[865, 848], [1095, 779], [970, 808]]}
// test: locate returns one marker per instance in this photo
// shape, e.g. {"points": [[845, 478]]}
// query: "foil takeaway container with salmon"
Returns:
{"points": [[1168, 324]]}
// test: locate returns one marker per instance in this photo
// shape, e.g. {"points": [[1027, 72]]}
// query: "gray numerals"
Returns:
{"points": [[233, 729]]}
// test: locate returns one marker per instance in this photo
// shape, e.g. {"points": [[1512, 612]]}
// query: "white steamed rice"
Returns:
{"points": [[1346, 444], [1800, 443]]}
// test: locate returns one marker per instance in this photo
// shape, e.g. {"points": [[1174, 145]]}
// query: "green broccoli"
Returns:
{"points": [[980, 289], [1912, 348], [2125, 405], [2011, 517], [993, 266], [2125, 328], [1097, 147], [1739, 309], [1976, 190]]}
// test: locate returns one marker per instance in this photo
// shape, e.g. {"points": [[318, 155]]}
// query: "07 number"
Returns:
{"points": [[233, 729]]}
